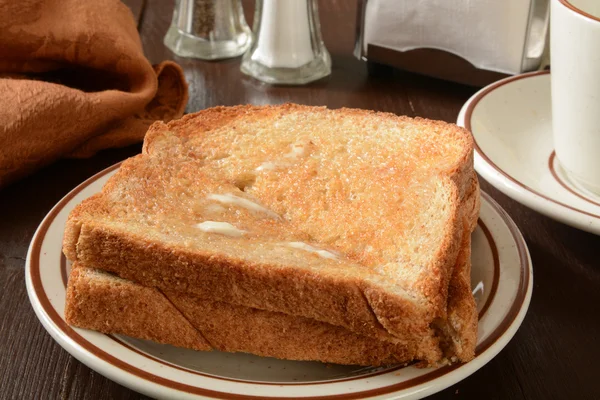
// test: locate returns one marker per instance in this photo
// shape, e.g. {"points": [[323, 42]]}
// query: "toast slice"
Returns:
{"points": [[101, 301], [347, 217]]}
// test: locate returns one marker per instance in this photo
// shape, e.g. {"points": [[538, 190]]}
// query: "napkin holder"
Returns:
{"points": [[386, 36]]}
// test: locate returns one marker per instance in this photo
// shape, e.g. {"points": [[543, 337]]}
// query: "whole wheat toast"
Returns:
{"points": [[355, 218], [103, 302]]}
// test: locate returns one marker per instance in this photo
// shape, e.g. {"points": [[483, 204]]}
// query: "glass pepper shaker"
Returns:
{"points": [[208, 29], [287, 47]]}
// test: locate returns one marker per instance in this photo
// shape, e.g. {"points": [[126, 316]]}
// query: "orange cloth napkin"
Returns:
{"points": [[74, 80]]}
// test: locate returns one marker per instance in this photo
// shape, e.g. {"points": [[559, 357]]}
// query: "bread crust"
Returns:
{"points": [[110, 305], [106, 304], [353, 304]]}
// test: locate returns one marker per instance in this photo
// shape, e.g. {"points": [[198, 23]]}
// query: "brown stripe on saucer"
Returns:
{"points": [[567, 4], [563, 183], [468, 126]]}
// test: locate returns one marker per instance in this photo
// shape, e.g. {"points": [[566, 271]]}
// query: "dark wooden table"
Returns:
{"points": [[554, 355]]}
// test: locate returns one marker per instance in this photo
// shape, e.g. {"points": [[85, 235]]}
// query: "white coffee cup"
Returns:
{"points": [[575, 74]]}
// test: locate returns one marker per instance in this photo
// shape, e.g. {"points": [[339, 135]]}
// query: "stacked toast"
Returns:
{"points": [[295, 232]]}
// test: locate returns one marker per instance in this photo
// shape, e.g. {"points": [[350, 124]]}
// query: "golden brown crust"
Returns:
{"points": [[462, 310], [101, 302], [271, 334], [472, 203], [310, 294], [110, 305]]}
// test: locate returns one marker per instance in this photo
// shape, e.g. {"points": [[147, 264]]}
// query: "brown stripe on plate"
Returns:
{"points": [[169, 364], [523, 280], [63, 269], [563, 183], [38, 289], [496, 258], [579, 11], [468, 116]]}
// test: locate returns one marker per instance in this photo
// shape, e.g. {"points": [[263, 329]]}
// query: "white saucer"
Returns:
{"points": [[501, 278], [511, 122]]}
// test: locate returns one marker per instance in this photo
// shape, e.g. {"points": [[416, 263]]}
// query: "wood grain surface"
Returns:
{"points": [[553, 356]]}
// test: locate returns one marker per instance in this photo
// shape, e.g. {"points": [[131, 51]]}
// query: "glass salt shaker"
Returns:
{"points": [[287, 47], [208, 29]]}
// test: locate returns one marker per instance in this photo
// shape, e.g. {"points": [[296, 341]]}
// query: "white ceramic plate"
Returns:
{"points": [[511, 121], [501, 278]]}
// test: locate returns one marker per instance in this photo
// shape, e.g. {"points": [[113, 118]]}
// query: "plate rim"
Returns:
{"points": [[141, 381], [509, 184]]}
